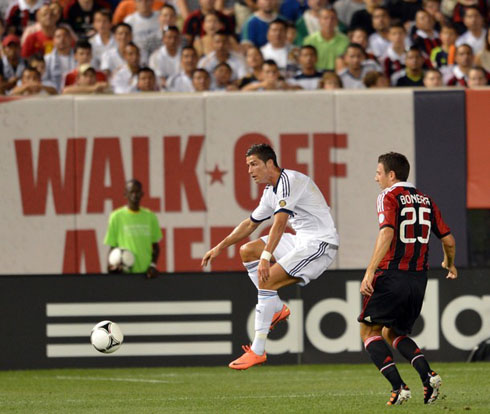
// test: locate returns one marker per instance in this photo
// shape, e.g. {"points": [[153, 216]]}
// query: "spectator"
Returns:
{"points": [[42, 40], [360, 37], [61, 60], [136, 229], [412, 75], [346, 8], [79, 14], [404, 10], [145, 24], [254, 30], [125, 78], [379, 40], [477, 77], [57, 12], [31, 84], [328, 43], [222, 53], [291, 33], [201, 81], [165, 61], [182, 82], [433, 7], [21, 14], [276, 47], [356, 68], [113, 58], [193, 23], [425, 37], [483, 58], [433, 78], [292, 10], [211, 26], [12, 62], [103, 40], [243, 10], [364, 18], [444, 55], [127, 7], [222, 75], [307, 77], [475, 34], [86, 82], [37, 62], [393, 59], [254, 61], [330, 80], [83, 55], [458, 73], [271, 79], [459, 12], [147, 81], [309, 22], [375, 79]]}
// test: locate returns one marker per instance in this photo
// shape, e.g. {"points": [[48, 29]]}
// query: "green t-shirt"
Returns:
{"points": [[328, 50], [134, 231]]}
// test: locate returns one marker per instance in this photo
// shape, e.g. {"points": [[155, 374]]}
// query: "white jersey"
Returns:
{"points": [[297, 195]]}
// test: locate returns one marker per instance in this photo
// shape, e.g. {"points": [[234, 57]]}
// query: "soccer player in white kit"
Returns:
{"points": [[290, 197]]}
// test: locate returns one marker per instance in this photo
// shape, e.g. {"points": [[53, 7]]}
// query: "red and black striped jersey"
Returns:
{"points": [[412, 215]]}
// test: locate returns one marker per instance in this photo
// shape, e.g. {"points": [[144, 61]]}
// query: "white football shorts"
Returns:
{"points": [[303, 259]]}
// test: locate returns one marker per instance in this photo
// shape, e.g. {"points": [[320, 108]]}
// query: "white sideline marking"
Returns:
{"points": [[142, 349], [139, 308], [54, 330], [63, 377]]}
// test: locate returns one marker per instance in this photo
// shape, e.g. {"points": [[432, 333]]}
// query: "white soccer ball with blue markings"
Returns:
{"points": [[106, 337]]}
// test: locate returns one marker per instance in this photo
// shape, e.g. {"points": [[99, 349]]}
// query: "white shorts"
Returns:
{"points": [[306, 260]]}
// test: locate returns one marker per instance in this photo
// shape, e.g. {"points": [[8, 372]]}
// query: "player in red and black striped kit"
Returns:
{"points": [[395, 280]]}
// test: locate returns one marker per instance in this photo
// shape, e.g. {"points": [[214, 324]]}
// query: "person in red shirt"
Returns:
{"points": [[41, 42], [83, 56], [396, 277]]}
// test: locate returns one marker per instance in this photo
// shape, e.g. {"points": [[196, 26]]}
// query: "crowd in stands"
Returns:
{"points": [[131, 46]]}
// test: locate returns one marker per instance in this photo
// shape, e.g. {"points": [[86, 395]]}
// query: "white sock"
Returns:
{"points": [[252, 271], [264, 311]]}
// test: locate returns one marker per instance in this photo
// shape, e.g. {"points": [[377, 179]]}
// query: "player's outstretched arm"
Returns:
{"points": [[449, 249], [383, 241], [244, 229]]}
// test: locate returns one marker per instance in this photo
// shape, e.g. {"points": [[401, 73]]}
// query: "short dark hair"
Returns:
{"points": [[309, 47], [279, 21], [264, 152], [223, 64], [146, 69], [172, 29], [122, 24], [134, 181], [398, 163], [271, 62], [83, 44], [104, 12], [33, 70], [200, 70]]}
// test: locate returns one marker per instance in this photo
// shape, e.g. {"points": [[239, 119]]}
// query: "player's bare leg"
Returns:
{"points": [[412, 353], [382, 357], [250, 254], [268, 302]]}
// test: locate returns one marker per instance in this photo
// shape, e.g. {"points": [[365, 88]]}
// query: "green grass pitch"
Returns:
{"points": [[334, 389]]}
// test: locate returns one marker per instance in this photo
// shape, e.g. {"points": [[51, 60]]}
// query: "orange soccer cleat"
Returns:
{"points": [[282, 315], [248, 359]]}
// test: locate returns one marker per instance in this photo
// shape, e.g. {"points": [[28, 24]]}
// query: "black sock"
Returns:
{"points": [[382, 357], [409, 349]]}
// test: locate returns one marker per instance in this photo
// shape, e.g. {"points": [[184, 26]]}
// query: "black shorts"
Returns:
{"points": [[397, 300]]}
